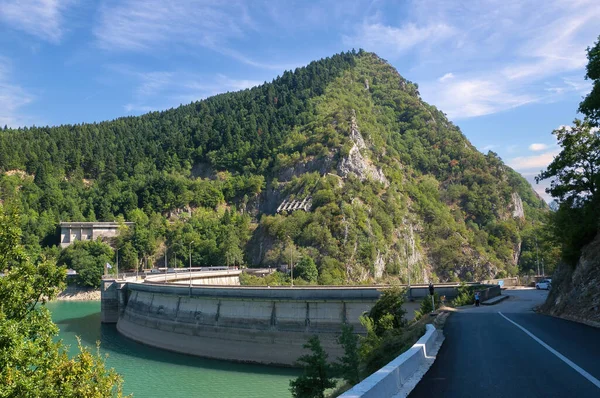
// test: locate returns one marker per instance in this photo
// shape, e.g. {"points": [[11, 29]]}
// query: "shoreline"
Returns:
{"points": [[75, 293]]}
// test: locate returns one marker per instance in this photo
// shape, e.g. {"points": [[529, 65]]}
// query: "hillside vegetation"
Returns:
{"points": [[396, 189]]}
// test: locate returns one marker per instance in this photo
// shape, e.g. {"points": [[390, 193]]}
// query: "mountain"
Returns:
{"points": [[389, 187]]}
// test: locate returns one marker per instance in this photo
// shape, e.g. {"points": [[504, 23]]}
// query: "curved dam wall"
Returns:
{"points": [[263, 325], [218, 278], [247, 324]]}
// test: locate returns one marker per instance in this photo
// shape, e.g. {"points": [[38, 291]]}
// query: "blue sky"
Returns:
{"points": [[507, 72]]}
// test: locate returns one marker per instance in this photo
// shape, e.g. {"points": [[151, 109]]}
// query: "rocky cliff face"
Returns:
{"points": [[576, 292], [517, 206], [357, 164]]}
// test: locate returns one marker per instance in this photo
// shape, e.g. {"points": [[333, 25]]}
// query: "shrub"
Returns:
{"points": [[315, 377], [466, 295], [306, 269], [426, 307], [387, 312], [348, 366]]}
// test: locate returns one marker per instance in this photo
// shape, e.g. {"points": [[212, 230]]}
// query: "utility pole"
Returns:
{"points": [[407, 270], [537, 256], [543, 272], [191, 267], [166, 263], [291, 260], [292, 263], [117, 263]]}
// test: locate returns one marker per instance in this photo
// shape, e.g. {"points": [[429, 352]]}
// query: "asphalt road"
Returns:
{"points": [[485, 355]]}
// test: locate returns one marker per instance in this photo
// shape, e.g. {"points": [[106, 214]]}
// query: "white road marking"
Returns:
{"points": [[566, 360]]}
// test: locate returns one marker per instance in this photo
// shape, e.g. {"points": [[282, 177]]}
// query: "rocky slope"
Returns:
{"points": [[575, 293]]}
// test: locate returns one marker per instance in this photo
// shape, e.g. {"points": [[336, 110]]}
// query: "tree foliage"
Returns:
{"points": [[33, 363], [388, 313], [88, 258], [306, 269], [349, 364], [575, 171], [316, 373], [590, 106]]}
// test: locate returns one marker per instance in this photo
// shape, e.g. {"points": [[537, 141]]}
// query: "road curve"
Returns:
{"points": [[486, 355]]}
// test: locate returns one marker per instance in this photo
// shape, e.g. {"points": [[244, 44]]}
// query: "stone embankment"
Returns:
{"points": [[75, 293]]}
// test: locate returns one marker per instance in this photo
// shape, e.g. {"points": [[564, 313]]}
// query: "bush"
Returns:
{"points": [[390, 347], [348, 366], [466, 295], [316, 374], [426, 306], [274, 279], [88, 259], [306, 269], [388, 313]]}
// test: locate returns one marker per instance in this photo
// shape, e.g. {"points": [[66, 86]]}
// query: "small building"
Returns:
{"points": [[74, 231]]}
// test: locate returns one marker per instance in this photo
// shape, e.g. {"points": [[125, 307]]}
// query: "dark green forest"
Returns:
{"points": [[214, 171]]}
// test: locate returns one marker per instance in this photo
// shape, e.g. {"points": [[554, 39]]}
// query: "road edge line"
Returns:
{"points": [[560, 356]]}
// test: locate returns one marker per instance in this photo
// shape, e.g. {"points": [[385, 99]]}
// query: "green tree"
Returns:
{"points": [[590, 106], [33, 363], [316, 372], [230, 247], [348, 365], [388, 313], [575, 171], [88, 258], [426, 307], [575, 180], [306, 269]]}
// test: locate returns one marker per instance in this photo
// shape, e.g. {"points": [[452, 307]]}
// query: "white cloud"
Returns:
{"points": [[538, 147], [537, 162], [503, 54], [447, 76], [531, 166], [41, 18], [153, 25], [539, 188], [391, 40], [157, 90], [12, 98], [463, 97], [149, 24]]}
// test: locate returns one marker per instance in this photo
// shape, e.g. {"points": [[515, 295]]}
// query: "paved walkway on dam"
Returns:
{"points": [[507, 350]]}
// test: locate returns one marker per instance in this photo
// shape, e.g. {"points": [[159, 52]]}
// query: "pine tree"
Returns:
{"points": [[315, 378], [348, 366]]}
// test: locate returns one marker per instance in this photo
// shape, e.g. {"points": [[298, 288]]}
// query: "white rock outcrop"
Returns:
{"points": [[355, 162], [517, 206]]}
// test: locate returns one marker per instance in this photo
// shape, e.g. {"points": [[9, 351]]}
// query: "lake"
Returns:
{"points": [[151, 372]]}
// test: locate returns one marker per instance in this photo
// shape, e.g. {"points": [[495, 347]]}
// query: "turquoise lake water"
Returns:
{"points": [[150, 372]]}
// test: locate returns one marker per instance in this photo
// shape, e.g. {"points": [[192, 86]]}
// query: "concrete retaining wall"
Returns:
{"points": [[506, 282], [489, 292], [247, 324], [109, 303], [387, 381]]}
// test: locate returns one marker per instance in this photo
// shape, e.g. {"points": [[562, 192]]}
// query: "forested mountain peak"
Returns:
{"points": [[395, 189]]}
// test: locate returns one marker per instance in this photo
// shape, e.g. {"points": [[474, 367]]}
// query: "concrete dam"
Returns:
{"points": [[247, 324]]}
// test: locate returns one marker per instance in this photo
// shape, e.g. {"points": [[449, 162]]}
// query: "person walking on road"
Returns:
{"points": [[476, 299]]}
